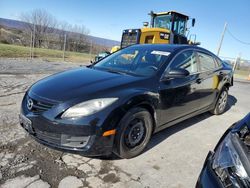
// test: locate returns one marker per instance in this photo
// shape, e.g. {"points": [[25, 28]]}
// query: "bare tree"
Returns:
{"points": [[78, 38], [63, 29], [41, 23], [47, 32]]}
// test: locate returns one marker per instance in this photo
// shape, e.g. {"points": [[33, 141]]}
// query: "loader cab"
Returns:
{"points": [[173, 21], [165, 28]]}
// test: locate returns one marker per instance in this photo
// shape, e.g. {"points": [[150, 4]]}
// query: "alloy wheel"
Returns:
{"points": [[222, 101]]}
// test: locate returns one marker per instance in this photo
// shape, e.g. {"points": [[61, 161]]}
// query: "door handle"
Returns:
{"points": [[198, 81]]}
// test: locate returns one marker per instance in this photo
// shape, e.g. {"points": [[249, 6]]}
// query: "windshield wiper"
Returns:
{"points": [[116, 71]]}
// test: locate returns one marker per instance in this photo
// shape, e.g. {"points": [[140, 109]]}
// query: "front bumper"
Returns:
{"points": [[84, 139], [208, 178]]}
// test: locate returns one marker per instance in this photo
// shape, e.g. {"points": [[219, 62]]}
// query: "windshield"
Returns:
{"points": [[136, 60], [163, 21]]}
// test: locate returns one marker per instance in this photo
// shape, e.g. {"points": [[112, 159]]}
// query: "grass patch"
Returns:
{"points": [[14, 51], [242, 74]]}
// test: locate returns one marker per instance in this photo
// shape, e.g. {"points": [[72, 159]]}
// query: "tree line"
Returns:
{"points": [[43, 30]]}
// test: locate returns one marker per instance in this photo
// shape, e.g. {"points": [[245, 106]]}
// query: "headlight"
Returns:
{"points": [[228, 163], [88, 107]]}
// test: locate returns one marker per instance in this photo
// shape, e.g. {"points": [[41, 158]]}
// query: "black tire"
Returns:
{"points": [[221, 103], [133, 133]]}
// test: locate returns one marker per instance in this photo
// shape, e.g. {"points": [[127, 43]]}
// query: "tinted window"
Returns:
{"points": [[206, 61], [186, 60], [218, 61], [163, 21], [179, 26]]}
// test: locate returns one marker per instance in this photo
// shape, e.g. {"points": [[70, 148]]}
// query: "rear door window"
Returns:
{"points": [[218, 62], [186, 60], [207, 63]]}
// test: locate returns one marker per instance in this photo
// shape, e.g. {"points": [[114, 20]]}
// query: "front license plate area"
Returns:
{"points": [[26, 123]]}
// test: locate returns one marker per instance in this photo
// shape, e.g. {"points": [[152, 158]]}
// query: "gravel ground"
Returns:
{"points": [[173, 158]]}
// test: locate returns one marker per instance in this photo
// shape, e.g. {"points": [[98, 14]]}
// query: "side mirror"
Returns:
{"points": [[176, 73], [193, 22]]}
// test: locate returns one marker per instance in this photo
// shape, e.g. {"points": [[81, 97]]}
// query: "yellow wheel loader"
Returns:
{"points": [[165, 28]]}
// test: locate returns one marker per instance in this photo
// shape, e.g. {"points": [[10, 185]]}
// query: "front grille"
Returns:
{"points": [[130, 37], [48, 137], [39, 106], [62, 139]]}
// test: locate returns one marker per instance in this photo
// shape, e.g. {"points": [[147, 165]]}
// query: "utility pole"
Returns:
{"points": [[90, 51], [236, 62], [222, 37], [64, 46], [33, 45], [31, 38]]}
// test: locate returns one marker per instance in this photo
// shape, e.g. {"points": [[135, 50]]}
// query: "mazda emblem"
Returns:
{"points": [[29, 104]]}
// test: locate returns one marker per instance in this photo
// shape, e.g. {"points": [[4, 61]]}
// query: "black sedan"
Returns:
{"points": [[116, 104], [229, 164]]}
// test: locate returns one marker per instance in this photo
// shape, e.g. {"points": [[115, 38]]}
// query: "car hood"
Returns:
{"points": [[80, 82]]}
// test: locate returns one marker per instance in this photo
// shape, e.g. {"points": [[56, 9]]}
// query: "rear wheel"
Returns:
{"points": [[221, 104], [134, 133]]}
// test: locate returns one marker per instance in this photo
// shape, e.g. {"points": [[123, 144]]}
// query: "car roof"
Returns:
{"points": [[175, 47]]}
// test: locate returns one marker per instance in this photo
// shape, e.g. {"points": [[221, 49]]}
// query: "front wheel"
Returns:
{"points": [[221, 104], [134, 133]]}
